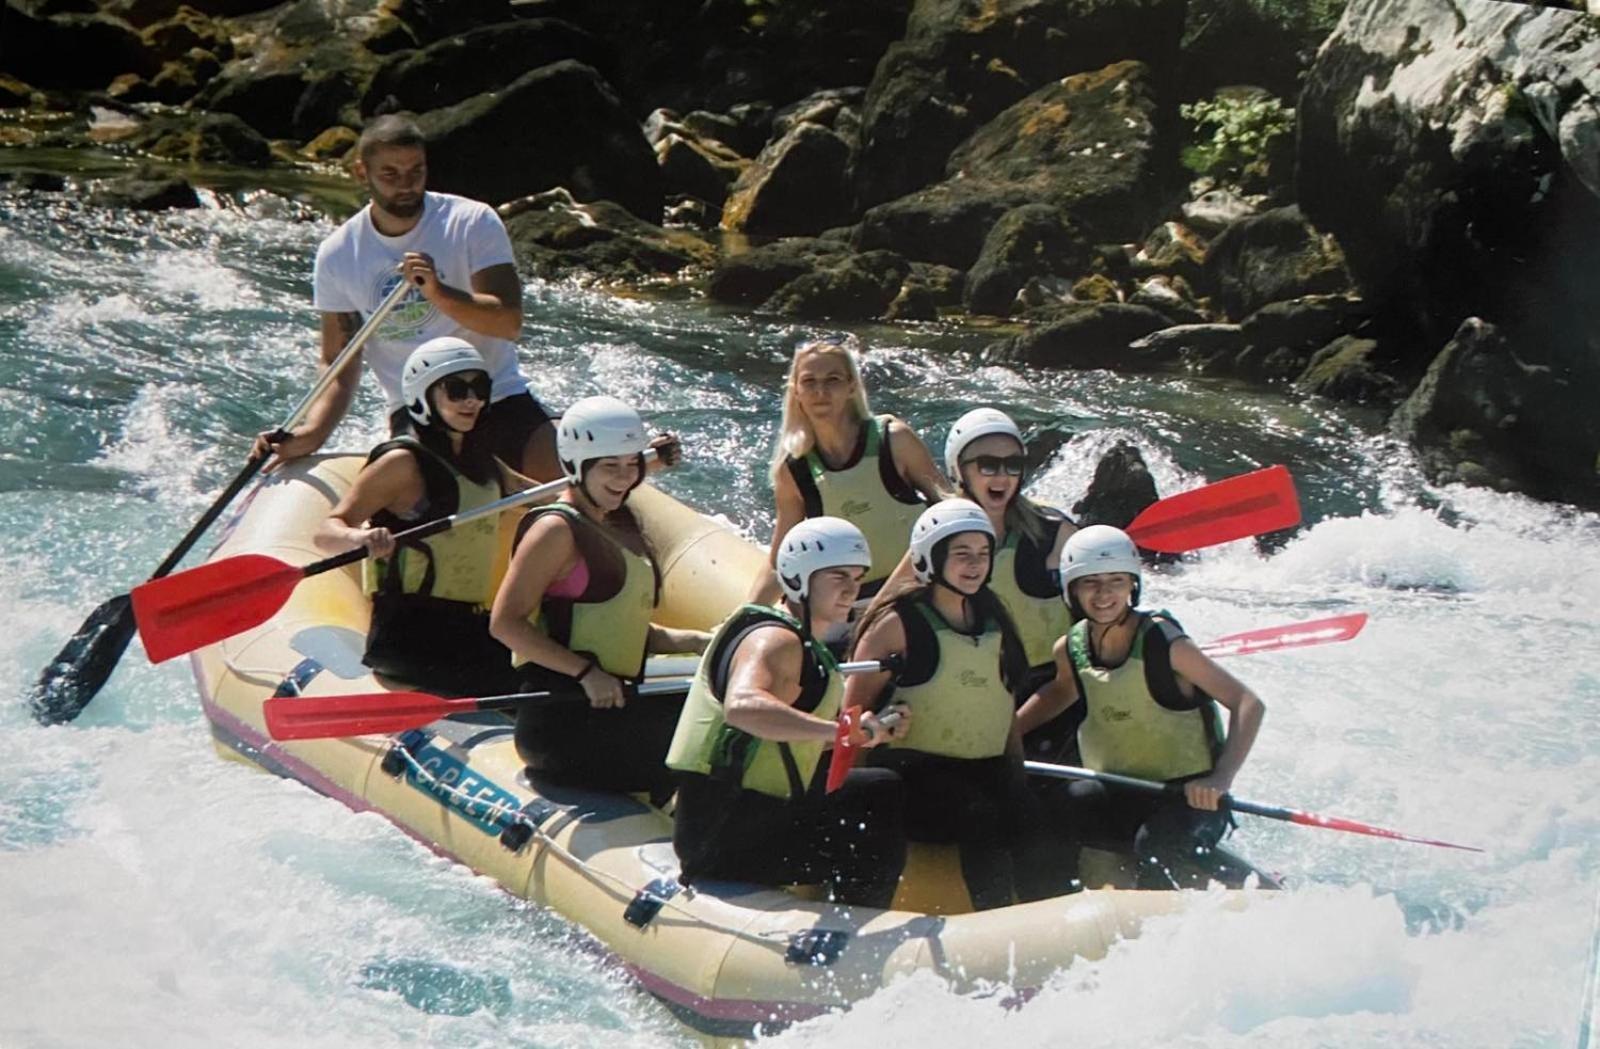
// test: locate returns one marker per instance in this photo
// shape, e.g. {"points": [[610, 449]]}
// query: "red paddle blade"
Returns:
{"points": [[1239, 507], [1291, 635], [1311, 819], [360, 714], [189, 610], [844, 755]]}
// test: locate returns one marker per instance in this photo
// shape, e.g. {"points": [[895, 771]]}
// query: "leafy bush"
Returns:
{"points": [[1245, 136]]}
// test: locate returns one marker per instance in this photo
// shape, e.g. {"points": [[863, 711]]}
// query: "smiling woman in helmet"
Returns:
{"points": [[1152, 703], [430, 597], [750, 743], [576, 605], [835, 458], [964, 667], [985, 456]]}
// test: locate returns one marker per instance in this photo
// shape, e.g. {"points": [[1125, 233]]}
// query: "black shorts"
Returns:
{"points": [[512, 420]]}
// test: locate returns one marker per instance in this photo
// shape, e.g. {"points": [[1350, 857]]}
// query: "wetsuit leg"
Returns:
{"points": [[566, 741], [960, 801], [1175, 844]]}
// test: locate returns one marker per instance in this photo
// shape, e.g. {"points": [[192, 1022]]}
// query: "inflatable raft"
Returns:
{"points": [[728, 959]]}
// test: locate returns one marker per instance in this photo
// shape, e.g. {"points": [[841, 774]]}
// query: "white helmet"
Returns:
{"points": [[1096, 550], [594, 428], [815, 544], [980, 422], [946, 518], [430, 362]]}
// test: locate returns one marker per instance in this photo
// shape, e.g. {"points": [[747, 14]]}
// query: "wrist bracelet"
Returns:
{"points": [[580, 675]]}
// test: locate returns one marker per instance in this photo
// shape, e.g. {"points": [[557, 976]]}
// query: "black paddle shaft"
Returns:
{"points": [[360, 553], [86, 661]]}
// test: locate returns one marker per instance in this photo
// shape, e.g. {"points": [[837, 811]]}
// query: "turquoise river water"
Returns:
{"points": [[153, 895]]}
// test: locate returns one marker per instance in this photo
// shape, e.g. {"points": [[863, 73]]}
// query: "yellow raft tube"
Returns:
{"points": [[728, 959]]}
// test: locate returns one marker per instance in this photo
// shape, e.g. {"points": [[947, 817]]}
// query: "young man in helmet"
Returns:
{"points": [[457, 255], [749, 746], [576, 610], [963, 670], [430, 598], [1152, 700]]}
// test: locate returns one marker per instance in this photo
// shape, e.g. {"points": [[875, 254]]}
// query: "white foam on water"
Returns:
{"points": [[191, 279]]}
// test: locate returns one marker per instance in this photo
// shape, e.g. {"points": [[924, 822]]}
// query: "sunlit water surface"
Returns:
{"points": [[153, 895]]}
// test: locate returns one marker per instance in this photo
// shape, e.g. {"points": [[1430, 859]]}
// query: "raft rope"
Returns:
{"points": [[771, 937]]}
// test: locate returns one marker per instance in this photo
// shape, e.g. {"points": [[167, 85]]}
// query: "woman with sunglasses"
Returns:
{"points": [[962, 673], [835, 458], [575, 610], [986, 458], [430, 597]]}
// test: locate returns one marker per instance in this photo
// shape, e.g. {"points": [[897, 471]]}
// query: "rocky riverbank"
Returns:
{"points": [[1397, 207]]}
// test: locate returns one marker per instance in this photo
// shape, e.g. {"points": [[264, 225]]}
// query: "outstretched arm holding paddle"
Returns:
{"points": [[84, 664]]}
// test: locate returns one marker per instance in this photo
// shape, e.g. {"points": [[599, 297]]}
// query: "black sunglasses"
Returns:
{"points": [[457, 387], [991, 465]]}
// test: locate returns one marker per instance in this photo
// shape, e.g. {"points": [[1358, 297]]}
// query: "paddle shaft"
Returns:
{"points": [[1229, 802], [86, 661], [444, 524], [255, 463]]}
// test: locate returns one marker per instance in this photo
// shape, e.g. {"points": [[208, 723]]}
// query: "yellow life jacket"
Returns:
{"points": [[612, 628], [963, 708], [705, 743], [1030, 592], [1127, 729], [464, 564], [868, 493]]}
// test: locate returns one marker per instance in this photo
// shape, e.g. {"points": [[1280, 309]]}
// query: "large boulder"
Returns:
{"points": [[1454, 150], [1271, 257], [1091, 144], [1035, 240], [811, 278], [458, 67], [946, 224], [1097, 336], [796, 187], [556, 237], [963, 61], [1120, 490], [749, 278], [203, 138], [1483, 415], [72, 51], [560, 125]]}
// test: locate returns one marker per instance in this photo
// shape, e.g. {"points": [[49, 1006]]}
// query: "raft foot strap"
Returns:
{"points": [[648, 901], [820, 947]]}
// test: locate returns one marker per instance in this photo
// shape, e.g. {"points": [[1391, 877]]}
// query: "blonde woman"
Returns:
{"points": [[835, 458]]}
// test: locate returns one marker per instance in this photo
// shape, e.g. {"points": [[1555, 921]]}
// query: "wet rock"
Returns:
{"points": [[1350, 369], [431, 20], [1484, 416], [458, 67], [1096, 287], [559, 125], [1035, 240], [1282, 337], [796, 186], [690, 213], [556, 237], [1274, 256], [206, 138], [145, 191], [1171, 296], [1457, 164], [101, 47], [1088, 144], [744, 127], [1121, 489], [704, 170], [332, 144], [1189, 343], [752, 277], [1216, 210], [33, 181], [946, 224], [837, 109], [1172, 248], [960, 64], [1096, 336], [843, 287], [16, 94], [173, 38]]}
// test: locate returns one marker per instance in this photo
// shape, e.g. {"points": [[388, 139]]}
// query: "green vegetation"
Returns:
{"points": [[1237, 138], [1310, 18]]}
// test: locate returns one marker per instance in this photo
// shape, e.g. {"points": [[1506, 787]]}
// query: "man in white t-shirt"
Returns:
{"points": [[457, 254]]}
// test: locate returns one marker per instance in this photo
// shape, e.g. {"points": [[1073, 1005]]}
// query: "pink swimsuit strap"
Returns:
{"points": [[572, 585]]}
